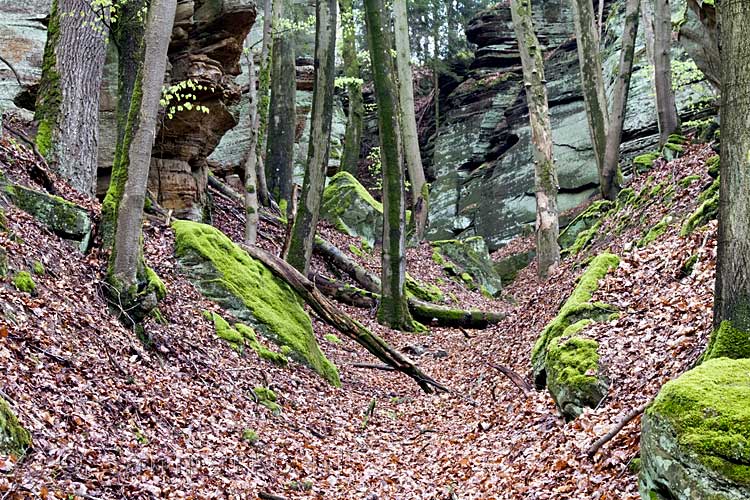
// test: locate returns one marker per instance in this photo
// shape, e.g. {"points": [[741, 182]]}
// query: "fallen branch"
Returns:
{"points": [[385, 368], [329, 313], [617, 428], [15, 73], [264, 495], [514, 377], [353, 269], [345, 293]]}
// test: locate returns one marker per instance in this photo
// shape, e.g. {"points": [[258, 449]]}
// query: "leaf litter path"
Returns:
{"points": [[111, 418]]}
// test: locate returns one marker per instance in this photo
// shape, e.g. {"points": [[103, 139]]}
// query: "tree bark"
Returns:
{"points": [[261, 117], [408, 119], [393, 310], [127, 269], [666, 109], [308, 211], [732, 296], [329, 313], [592, 81], [545, 172], [619, 101], [355, 118], [282, 110], [250, 159], [68, 101]]}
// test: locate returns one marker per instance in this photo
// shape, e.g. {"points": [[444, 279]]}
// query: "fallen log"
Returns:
{"points": [[514, 377], [352, 268], [345, 293], [329, 313]]}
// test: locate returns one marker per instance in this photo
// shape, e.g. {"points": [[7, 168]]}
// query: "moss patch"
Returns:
{"points": [[24, 282], [267, 398], [423, 291], [583, 222], [708, 409], [14, 439], [706, 211], [713, 165], [656, 231], [645, 162], [229, 275], [728, 342], [38, 268]]}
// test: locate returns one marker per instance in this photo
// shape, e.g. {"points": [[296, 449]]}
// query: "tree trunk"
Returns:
{"points": [[68, 101], [619, 100], [329, 313], [393, 310], [409, 120], [592, 81], [355, 119], [127, 270], [251, 159], [732, 297], [545, 172], [282, 111], [308, 211], [666, 110], [261, 117]]}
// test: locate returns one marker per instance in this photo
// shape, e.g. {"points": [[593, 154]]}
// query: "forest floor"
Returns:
{"points": [[111, 418]]}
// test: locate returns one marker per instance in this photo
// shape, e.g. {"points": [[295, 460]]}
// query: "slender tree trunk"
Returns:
{"points": [[732, 297], [251, 159], [666, 109], [127, 270], [408, 119], [68, 101], [592, 81], [393, 310], [355, 120], [647, 21], [261, 119], [282, 111], [545, 172], [308, 211], [619, 101]]}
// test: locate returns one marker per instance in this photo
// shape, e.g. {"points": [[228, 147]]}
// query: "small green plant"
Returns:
{"points": [[375, 167], [181, 97], [250, 436], [38, 268]]}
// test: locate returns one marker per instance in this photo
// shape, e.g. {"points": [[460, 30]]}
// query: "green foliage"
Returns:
{"points": [[250, 436], [181, 97], [375, 167], [14, 439], [333, 339]]}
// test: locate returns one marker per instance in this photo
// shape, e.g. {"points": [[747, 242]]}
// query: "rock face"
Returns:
{"points": [[483, 162], [206, 46], [695, 438]]}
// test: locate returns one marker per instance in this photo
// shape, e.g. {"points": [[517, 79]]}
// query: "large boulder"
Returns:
{"points": [[483, 165], [352, 209], [472, 260], [14, 439], [695, 438], [226, 274]]}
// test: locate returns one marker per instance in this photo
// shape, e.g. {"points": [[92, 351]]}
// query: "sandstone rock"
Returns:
{"points": [[695, 438], [348, 206], [472, 258], [509, 267]]}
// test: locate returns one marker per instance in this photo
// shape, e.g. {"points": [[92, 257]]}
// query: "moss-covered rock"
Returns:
{"points": [[509, 267], [707, 210], [674, 147], [576, 308], [348, 206], [24, 282], [62, 217], [728, 342], [713, 165], [3, 262], [423, 291], [14, 439], [225, 273], [469, 258], [643, 163], [267, 398], [38, 268], [695, 439], [583, 222], [656, 231]]}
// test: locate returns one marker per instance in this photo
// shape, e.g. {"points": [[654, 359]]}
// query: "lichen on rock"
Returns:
{"points": [[695, 439], [226, 274]]}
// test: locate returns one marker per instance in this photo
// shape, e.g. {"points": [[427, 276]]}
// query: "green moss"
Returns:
{"points": [[686, 181], [706, 211], [250, 436], [423, 291], [49, 98], [267, 398], [3, 217], [584, 221], [713, 165], [466, 277], [728, 342], [418, 327], [356, 251], [644, 162], [24, 282], [251, 340], [276, 307], [509, 267], [155, 284], [38, 268], [583, 239], [571, 362], [656, 231], [3, 262], [333, 339], [708, 409], [711, 192], [14, 439], [687, 267]]}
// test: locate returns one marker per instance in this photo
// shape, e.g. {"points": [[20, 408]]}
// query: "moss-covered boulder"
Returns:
{"points": [[240, 336], [226, 274], [728, 342], [471, 261], [14, 439], [584, 221], [65, 219], [509, 267], [348, 206], [708, 209], [695, 438]]}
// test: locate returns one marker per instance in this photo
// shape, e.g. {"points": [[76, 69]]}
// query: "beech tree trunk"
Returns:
{"points": [[393, 310], [732, 297], [282, 110], [545, 172], [67, 107], [261, 117], [355, 118], [308, 210], [666, 110], [127, 270], [250, 159], [620, 99], [592, 81], [409, 120]]}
